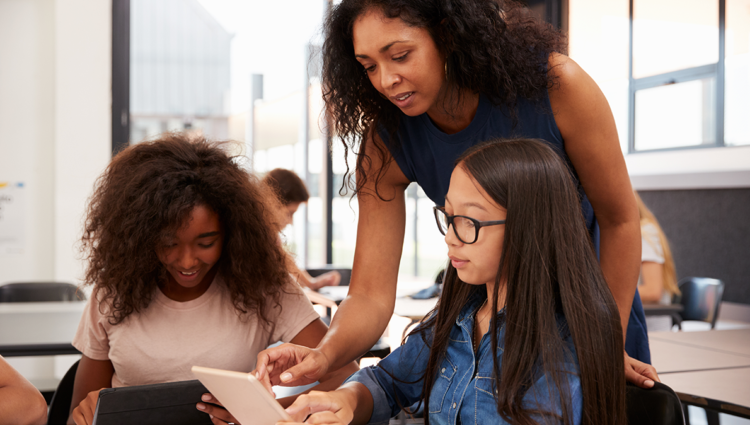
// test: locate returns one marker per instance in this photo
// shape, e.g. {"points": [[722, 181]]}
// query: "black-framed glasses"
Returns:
{"points": [[465, 228]]}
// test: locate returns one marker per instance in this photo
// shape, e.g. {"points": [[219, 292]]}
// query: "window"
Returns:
{"points": [[676, 73]]}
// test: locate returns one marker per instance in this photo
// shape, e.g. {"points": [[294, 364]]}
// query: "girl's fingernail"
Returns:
{"points": [[649, 383], [285, 376], [206, 397], [201, 406]]}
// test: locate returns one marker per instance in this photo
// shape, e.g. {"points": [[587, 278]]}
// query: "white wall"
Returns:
{"points": [[27, 130], [83, 100], [55, 99]]}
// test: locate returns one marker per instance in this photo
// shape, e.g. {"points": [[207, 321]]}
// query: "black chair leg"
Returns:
{"points": [[712, 417], [685, 413]]}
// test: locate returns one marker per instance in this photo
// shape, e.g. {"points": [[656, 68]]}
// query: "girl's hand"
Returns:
{"points": [[322, 408], [639, 373], [219, 415], [84, 413], [290, 365]]}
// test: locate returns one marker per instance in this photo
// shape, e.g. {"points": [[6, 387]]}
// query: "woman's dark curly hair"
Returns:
{"points": [[493, 47], [146, 194]]}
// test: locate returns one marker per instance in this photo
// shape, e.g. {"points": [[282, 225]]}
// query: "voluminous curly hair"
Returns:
{"points": [[146, 194], [493, 47]]}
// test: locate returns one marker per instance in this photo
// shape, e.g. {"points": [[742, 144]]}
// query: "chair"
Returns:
{"points": [[39, 292], [59, 406], [658, 405], [700, 298]]}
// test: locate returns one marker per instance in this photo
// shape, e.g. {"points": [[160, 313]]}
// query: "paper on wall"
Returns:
{"points": [[12, 218]]}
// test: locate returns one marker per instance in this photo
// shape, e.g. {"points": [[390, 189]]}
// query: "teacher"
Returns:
{"points": [[411, 84]]}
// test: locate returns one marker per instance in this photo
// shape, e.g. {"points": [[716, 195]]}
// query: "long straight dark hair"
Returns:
{"points": [[550, 267]]}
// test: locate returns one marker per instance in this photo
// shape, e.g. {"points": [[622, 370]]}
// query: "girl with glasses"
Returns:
{"points": [[526, 330]]}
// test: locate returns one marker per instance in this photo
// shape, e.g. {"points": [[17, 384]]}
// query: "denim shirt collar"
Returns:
{"points": [[475, 302]]}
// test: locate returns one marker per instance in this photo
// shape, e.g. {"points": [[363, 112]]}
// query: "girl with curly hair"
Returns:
{"points": [[186, 270], [526, 330], [409, 85]]}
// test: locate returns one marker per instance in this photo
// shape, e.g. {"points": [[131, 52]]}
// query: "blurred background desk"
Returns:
{"points": [[39, 329]]}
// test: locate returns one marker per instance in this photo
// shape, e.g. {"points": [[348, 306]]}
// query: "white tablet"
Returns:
{"points": [[242, 395]]}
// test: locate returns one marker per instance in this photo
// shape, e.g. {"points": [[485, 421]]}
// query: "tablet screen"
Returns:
{"points": [[242, 395]]}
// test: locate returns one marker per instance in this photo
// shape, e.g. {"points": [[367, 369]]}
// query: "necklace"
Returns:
{"points": [[477, 321]]}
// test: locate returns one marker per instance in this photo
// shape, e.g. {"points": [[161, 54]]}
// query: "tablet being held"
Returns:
{"points": [[242, 395]]}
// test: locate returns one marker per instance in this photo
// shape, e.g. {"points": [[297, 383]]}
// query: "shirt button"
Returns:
{"points": [[442, 370], [454, 405]]}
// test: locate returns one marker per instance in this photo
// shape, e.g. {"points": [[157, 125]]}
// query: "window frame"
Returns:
{"points": [[715, 71]]}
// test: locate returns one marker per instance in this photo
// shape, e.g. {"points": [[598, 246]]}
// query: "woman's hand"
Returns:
{"points": [[332, 278], [84, 413], [219, 415], [640, 373], [322, 408], [290, 365]]}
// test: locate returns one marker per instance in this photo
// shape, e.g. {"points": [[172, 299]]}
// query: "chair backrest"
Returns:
{"points": [[658, 405], [346, 274], [39, 292], [700, 298], [59, 406]]}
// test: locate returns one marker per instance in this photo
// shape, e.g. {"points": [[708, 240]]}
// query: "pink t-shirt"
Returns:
{"points": [[162, 342]]}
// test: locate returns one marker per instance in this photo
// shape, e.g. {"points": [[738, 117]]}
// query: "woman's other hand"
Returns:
{"points": [[322, 408], [219, 415], [290, 365], [332, 278], [640, 373], [84, 413]]}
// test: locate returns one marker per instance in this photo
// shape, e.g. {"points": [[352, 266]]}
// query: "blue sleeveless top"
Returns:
{"points": [[427, 156]]}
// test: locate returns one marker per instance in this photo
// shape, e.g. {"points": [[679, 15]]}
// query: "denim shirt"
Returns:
{"points": [[463, 392]]}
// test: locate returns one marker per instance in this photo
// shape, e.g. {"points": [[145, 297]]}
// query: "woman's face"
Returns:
{"points": [[479, 262], [402, 62], [194, 249]]}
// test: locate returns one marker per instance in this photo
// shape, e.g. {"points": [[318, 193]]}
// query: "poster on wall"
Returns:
{"points": [[12, 213]]}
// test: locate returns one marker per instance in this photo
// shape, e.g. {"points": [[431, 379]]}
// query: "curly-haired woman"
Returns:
{"points": [[185, 269], [410, 85]]}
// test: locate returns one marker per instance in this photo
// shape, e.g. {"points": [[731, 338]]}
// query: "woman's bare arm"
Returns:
{"points": [[588, 128], [20, 402], [364, 314]]}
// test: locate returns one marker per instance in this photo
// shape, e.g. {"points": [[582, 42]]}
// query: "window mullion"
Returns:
{"points": [[720, 76]]}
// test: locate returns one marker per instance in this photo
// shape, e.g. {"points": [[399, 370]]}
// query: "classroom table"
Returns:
{"points": [[710, 369], [726, 390], [734, 341], [39, 329]]}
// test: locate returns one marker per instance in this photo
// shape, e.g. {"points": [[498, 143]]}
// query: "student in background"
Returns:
{"points": [[292, 192], [658, 280], [526, 330], [186, 270], [20, 402]]}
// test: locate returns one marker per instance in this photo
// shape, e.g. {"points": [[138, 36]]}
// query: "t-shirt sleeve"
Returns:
{"points": [[651, 249], [295, 314], [92, 338]]}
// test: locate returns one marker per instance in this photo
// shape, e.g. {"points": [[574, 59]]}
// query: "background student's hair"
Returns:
{"points": [[148, 191], [669, 273], [288, 186], [551, 268]]}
